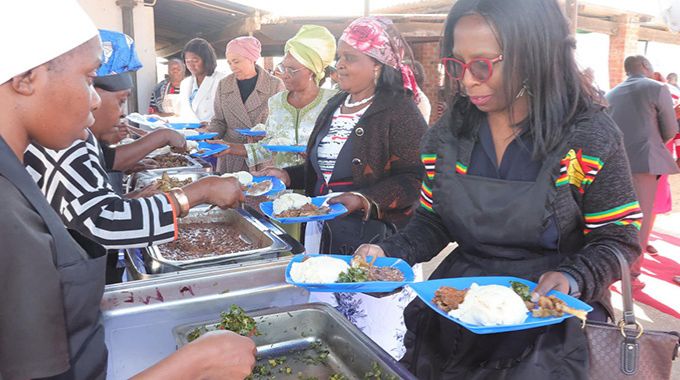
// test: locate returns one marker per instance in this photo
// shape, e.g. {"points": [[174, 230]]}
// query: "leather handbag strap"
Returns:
{"points": [[628, 313]]}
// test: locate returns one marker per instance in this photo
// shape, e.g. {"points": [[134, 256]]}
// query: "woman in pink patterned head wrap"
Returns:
{"points": [[379, 39], [365, 146]]}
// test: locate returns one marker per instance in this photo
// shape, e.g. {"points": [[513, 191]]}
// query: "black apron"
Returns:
{"points": [[82, 277], [497, 224]]}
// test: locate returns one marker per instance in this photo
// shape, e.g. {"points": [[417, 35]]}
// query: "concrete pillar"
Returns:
{"points": [[621, 45], [107, 15]]}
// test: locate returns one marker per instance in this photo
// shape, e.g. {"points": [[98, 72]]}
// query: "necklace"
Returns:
{"points": [[359, 103]]}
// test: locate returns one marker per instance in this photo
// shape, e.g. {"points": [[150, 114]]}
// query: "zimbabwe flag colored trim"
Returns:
{"points": [[624, 215], [429, 160], [460, 168], [426, 197]]}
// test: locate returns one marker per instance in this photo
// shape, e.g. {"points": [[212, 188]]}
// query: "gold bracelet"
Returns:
{"points": [[182, 201], [366, 202]]}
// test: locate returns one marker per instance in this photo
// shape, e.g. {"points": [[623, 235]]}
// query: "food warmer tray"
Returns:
{"points": [[139, 316], [146, 178], [299, 333], [195, 164], [271, 242]]}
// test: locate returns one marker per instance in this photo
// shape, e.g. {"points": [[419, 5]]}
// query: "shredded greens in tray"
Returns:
{"points": [[235, 320]]}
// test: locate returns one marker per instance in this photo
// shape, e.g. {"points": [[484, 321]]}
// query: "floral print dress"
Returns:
{"points": [[286, 123]]}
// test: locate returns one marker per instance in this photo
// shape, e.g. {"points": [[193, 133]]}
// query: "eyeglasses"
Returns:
{"points": [[480, 68], [281, 70]]}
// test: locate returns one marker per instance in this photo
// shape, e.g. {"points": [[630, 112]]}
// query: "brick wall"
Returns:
{"points": [[621, 45], [427, 53]]}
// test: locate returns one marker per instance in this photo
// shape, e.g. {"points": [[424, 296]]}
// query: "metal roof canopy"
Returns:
{"points": [[219, 21], [178, 21]]}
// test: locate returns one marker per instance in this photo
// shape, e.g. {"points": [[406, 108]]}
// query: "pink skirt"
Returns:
{"points": [[663, 202]]}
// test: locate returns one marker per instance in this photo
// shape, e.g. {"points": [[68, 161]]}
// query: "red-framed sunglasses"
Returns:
{"points": [[480, 68]]}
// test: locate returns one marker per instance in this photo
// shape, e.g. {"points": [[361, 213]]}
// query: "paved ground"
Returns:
{"points": [[651, 318]]}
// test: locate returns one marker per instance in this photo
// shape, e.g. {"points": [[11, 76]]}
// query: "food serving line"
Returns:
{"points": [[173, 287], [235, 269]]}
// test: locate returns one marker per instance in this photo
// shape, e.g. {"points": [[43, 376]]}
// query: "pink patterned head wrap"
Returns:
{"points": [[247, 47], [377, 37]]}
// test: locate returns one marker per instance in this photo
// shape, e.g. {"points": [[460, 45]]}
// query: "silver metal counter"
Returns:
{"points": [[139, 316]]}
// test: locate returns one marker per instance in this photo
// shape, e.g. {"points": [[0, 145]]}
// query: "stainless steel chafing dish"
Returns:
{"points": [[146, 178], [270, 241], [139, 316], [297, 334], [195, 165]]}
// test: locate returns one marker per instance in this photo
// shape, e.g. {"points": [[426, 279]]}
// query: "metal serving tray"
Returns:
{"points": [[236, 219], [195, 164], [146, 178], [139, 316], [273, 241], [296, 332]]}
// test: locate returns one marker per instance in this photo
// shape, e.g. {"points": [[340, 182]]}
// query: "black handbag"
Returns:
{"points": [[344, 235], [626, 350]]}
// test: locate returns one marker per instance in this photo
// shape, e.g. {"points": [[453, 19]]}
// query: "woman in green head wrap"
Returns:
{"points": [[293, 112]]}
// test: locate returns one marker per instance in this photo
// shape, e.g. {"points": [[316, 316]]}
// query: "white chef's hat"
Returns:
{"points": [[33, 32]]}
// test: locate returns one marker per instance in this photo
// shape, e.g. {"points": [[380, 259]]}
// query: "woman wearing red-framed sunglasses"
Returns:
{"points": [[480, 68], [525, 173]]}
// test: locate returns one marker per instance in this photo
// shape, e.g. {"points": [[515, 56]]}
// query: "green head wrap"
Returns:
{"points": [[314, 47]]}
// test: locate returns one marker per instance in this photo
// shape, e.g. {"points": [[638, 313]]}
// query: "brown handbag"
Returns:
{"points": [[626, 350]]}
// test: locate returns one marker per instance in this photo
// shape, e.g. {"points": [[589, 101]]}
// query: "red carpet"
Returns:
{"points": [[660, 291]]}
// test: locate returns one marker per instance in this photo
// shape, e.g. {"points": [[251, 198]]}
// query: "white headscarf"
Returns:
{"points": [[33, 32]]}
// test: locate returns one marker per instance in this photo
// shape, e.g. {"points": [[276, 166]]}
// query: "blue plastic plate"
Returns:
{"points": [[357, 287], [336, 210], [277, 185], [425, 291], [202, 136], [248, 132], [209, 149], [184, 125], [286, 148]]}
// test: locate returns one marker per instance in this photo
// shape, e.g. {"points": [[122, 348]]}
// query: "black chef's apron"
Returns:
{"points": [[82, 277], [497, 224]]}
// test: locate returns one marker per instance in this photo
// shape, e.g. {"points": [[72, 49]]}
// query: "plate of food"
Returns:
{"points": [[297, 208], [349, 274], [252, 132], [206, 149], [149, 121], [256, 186], [268, 186], [184, 125], [197, 136], [488, 305]]}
